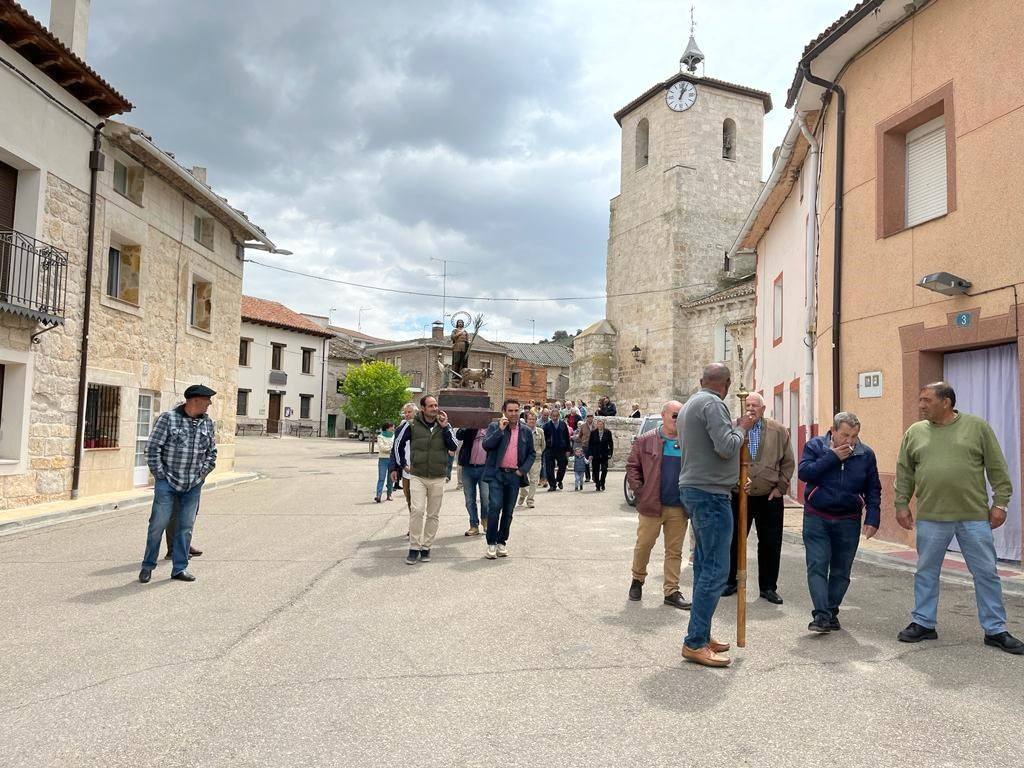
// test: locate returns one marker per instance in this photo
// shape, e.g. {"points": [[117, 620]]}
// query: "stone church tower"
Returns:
{"points": [[690, 171]]}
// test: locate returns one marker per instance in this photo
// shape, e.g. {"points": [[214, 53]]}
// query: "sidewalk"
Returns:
{"points": [[20, 519], [903, 558]]}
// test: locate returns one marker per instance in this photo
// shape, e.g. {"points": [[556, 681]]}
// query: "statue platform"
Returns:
{"points": [[467, 408]]}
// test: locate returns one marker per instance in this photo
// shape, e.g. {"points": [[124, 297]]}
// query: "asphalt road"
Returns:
{"points": [[307, 641]]}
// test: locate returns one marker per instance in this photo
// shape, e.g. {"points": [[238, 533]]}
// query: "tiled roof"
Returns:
{"points": [[44, 49], [279, 316], [766, 98], [744, 288], [357, 335], [550, 355], [480, 344], [341, 349]]}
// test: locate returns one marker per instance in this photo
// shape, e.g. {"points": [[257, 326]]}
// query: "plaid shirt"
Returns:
{"points": [[182, 450], [754, 435]]}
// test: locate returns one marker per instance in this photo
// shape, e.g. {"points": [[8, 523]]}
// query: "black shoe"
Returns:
{"points": [[1006, 642], [183, 576], [636, 590], [146, 573], [424, 555], [560, 486], [729, 591], [915, 633], [676, 600], [771, 596], [833, 624], [193, 552], [168, 555], [821, 625], [412, 557], [552, 489]]}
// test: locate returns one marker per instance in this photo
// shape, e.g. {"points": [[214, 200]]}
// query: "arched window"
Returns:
{"points": [[643, 131], [729, 139]]}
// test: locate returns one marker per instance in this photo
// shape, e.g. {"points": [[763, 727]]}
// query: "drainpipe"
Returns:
{"points": [[837, 253], [95, 166], [811, 245]]}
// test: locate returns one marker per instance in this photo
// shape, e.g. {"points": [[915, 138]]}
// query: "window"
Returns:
{"points": [[514, 378], [276, 357], [102, 414], [128, 181], [777, 311], [778, 405], [201, 303], [916, 162], [729, 139], [926, 172], [304, 402], [485, 364], [307, 359], [244, 347], [794, 416], [123, 264], [643, 136], [202, 230], [398, 362], [243, 403], [726, 344]]}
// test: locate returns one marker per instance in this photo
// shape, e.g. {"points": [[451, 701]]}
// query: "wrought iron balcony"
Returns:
{"points": [[33, 278]]}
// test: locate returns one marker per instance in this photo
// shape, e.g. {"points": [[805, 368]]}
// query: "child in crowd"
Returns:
{"points": [[579, 467], [385, 440]]}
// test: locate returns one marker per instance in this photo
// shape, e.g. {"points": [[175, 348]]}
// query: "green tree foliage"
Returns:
{"points": [[376, 392]]}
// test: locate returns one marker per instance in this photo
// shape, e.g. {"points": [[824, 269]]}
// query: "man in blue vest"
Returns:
{"points": [[510, 454]]}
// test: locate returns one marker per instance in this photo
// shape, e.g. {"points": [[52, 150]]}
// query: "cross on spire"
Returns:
{"points": [[693, 55]]}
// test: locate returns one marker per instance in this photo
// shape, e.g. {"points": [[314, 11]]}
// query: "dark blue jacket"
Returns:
{"points": [[557, 435], [496, 442], [841, 487]]}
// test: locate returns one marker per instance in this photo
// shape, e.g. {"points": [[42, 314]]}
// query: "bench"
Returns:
{"points": [[249, 429]]}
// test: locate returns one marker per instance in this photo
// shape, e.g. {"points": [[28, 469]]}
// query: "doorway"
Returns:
{"points": [[274, 413], [143, 426], [987, 384], [332, 424]]}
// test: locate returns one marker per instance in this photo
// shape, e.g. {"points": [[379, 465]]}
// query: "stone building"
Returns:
{"points": [[690, 169], [282, 370], [538, 372], [418, 360]]}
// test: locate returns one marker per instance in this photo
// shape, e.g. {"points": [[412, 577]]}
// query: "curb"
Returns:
{"points": [[1014, 586], [47, 519]]}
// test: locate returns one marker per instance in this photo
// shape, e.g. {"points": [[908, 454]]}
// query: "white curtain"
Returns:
{"points": [[987, 385]]}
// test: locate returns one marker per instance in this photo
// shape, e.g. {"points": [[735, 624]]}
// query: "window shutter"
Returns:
{"points": [[8, 188], [926, 172]]}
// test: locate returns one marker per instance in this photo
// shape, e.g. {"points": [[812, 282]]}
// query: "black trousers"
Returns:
{"points": [[600, 471], [559, 459], [767, 515]]}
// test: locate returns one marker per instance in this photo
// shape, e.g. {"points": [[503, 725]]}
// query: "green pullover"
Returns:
{"points": [[945, 465]]}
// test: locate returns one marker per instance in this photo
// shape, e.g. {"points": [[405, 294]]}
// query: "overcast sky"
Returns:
{"points": [[369, 137]]}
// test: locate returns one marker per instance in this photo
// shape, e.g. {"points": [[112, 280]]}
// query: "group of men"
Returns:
{"points": [[689, 470]]}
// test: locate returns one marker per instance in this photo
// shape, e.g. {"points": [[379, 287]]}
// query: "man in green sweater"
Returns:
{"points": [[944, 460]]}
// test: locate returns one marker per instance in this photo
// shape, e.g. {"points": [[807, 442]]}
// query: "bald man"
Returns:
{"points": [[652, 471], [771, 469]]}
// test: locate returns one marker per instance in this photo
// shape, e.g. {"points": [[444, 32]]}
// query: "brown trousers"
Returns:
{"points": [[648, 528]]}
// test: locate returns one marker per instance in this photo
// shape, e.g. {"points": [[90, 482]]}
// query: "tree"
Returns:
{"points": [[376, 392], [559, 335]]}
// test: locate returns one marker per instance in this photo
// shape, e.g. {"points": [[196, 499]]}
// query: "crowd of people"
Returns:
{"points": [[685, 474]]}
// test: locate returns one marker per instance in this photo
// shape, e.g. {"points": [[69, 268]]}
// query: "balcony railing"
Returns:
{"points": [[33, 278]]}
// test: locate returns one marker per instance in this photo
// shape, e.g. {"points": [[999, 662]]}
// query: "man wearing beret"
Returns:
{"points": [[181, 452]]}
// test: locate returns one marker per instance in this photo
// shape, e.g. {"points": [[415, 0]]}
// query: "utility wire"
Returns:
{"points": [[477, 298]]}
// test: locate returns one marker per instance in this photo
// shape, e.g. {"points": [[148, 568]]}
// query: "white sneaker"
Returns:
{"points": [[502, 550], [492, 552]]}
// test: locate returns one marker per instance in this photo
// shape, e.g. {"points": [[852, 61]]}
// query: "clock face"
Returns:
{"points": [[681, 96]]}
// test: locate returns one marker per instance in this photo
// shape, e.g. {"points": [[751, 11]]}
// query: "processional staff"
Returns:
{"points": [[741, 538]]}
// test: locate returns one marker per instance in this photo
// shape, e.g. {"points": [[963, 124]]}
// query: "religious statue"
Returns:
{"points": [[460, 347]]}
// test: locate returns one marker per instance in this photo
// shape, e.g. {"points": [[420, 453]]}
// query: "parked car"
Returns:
{"points": [[361, 433], [647, 423]]}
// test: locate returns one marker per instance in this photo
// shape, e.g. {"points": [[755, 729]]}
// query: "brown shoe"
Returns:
{"points": [[473, 531], [705, 657], [718, 647]]}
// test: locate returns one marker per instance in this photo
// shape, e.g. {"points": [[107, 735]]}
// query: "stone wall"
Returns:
{"points": [[592, 372], [698, 347]]}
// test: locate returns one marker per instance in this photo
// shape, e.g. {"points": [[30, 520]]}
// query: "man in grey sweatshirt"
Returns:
{"points": [[711, 469]]}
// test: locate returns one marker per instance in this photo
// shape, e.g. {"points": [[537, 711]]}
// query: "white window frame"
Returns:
{"points": [[17, 408]]}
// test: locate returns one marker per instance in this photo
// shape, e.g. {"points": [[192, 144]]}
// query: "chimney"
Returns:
{"points": [[199, 173], [69, 21], [437, 331]]}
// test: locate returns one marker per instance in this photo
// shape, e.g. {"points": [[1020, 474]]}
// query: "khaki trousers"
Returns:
{"points": [[527, 493], [427, 494], [674, 522]]}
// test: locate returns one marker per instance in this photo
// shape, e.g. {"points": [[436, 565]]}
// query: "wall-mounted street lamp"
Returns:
{"points": [[636, 355], [945, 283]]}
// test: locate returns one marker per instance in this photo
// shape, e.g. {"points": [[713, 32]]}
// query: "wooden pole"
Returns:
{"points": [[741, 537]]}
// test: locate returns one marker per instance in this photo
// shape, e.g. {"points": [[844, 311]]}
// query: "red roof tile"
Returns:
{"points": [[279, 316]]}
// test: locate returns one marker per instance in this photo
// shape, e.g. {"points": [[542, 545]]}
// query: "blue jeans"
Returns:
{"points": [[164, 500], [711, 522], [472, 480], [978, 549], [383, 477], [502, 494], [829, 548]]}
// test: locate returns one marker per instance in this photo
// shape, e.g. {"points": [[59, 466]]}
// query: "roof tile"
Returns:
{"points": [[278, 315]]}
